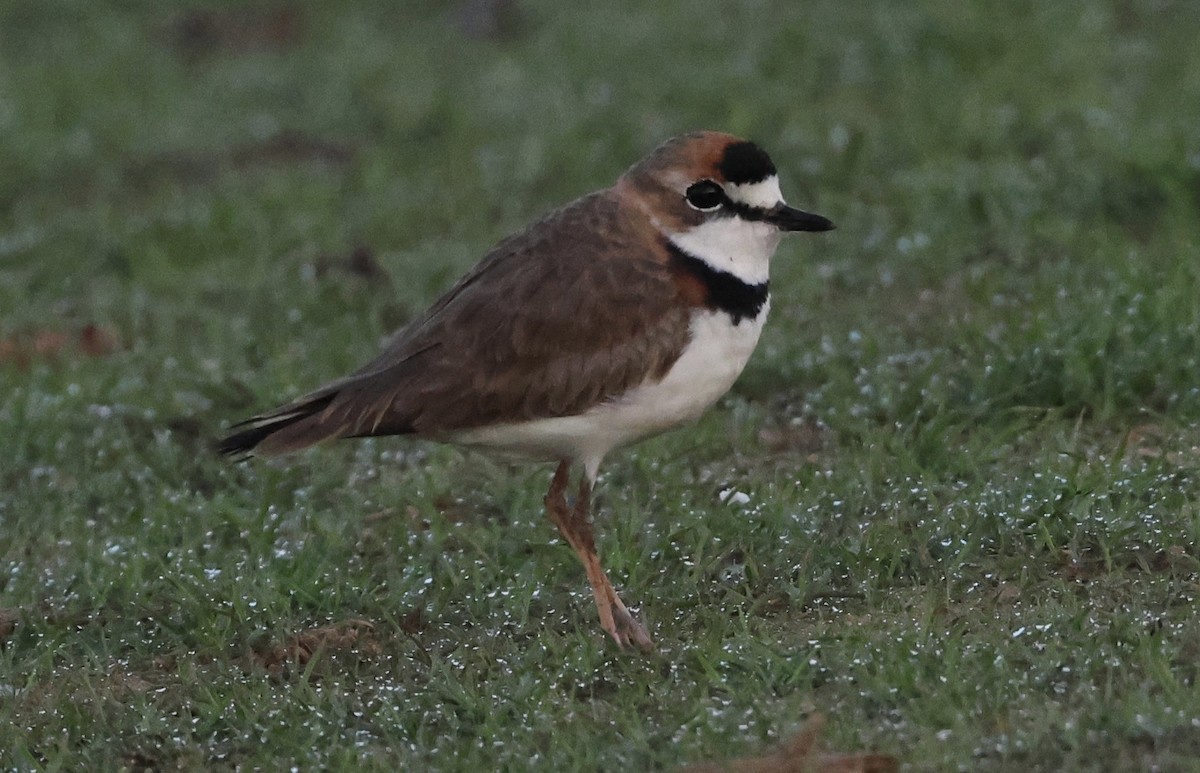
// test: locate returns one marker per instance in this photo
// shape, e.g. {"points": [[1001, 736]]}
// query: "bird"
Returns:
{"points": [[620, 315]]}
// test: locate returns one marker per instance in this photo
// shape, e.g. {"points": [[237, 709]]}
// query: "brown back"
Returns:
{"points": [[573, 311]]}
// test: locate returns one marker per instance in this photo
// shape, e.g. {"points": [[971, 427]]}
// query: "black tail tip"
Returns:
{"points": [[247, 435], [239, 445]]}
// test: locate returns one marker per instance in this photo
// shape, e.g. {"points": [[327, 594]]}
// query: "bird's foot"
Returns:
{"points": [[616, 619], [627, 631]]}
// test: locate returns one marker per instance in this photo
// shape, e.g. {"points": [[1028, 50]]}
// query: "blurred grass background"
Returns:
{"points": [[952, 504]]}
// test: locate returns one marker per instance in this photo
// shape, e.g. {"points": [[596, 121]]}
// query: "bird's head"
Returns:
{"points": [[717, 197]]}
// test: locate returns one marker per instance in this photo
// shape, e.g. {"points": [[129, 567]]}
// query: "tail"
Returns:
{"points": [[295, 426]]}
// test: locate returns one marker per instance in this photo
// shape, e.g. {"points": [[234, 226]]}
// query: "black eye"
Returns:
{"points": [[705, 195]]}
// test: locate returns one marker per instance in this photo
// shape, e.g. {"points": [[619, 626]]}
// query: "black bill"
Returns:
{"points": [[787, 218]]}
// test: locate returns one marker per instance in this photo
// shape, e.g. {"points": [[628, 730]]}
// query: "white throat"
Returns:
{"points": [[733, 245]]}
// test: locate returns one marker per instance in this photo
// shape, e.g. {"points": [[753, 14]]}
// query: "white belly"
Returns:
{"points": [[712, 361]]}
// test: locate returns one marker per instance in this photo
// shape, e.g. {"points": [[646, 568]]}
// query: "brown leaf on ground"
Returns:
{"points": [[97, 341], [413, 622], [128, 684], [176, 166], [8, 623], [300, 648], [807, 439], [453, 509], [25, 348], [1007, 594], [201, 32], [801, 754], [165, 662], [289, 146], [361, 262], [1082, 568], [1144, 440], [1174, 558], [490, 19], [285, 147], [1147, 441], [47, 343], [139, 761]]}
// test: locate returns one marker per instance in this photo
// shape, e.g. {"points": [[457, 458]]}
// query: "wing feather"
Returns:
{"points": [[574, 311]]}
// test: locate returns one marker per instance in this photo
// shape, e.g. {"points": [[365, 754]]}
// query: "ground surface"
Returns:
{"points": [[953, 505]]}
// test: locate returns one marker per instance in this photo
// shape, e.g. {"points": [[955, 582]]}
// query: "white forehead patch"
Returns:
{"points": [[763, 194]]}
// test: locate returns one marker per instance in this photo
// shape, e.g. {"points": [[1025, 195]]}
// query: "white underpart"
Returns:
{"points": [[707, 368]]}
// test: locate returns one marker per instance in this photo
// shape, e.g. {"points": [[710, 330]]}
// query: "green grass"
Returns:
{"points": [[967, 444]]}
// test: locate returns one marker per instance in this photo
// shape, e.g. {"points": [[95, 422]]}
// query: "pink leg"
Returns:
{"points": [[576, 527]]}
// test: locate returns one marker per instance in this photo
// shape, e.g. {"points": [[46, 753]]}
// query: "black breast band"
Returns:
{"points": [[725, 292]]}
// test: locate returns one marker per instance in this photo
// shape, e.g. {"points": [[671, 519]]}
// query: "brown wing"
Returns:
{"points": [[520, 337]]}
